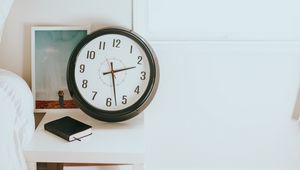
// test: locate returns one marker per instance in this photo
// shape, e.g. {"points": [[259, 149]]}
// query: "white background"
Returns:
{"points": [[229, 75], [224, 106], [218, 19]]}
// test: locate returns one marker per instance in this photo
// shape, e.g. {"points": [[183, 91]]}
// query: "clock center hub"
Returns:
{"points": [[106, 72]]}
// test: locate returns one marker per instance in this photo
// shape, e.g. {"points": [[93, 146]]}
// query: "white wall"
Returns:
{"points": [[230, 73], [15, 52], [218, 19], [224, 105]]}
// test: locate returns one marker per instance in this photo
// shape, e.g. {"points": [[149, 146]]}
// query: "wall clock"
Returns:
{"points": [[113, 74]]}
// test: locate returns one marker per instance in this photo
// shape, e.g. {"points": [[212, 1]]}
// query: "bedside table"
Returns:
{"points": [[110, 143]]}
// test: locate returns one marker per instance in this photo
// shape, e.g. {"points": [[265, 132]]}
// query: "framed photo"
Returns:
{"points": [[51, 48]]}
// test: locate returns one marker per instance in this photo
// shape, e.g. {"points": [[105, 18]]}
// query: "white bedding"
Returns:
{"points": [[16, 111], [16, 122]]}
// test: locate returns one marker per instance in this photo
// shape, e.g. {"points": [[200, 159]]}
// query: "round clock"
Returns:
{"points": [[113, 74]]}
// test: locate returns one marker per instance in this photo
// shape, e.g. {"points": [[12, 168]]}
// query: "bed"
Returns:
{"points": [[16, 110], [17, 120]]}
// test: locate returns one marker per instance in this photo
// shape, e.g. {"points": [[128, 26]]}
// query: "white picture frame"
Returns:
{"points": [[51, 47]]}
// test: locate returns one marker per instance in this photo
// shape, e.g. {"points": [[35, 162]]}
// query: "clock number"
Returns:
{"points": [[108, 102], [102, 45], [124, 99], [82, 68], [137, 90], [84, 83], [140, 58], [91, 55], [116, 43], [94, 94], [131, 49], [143, 76]]}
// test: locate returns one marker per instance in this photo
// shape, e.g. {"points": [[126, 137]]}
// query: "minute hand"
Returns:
{"points": [[118, 70]]}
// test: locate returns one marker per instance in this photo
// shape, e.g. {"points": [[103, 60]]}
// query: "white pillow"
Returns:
{"points": [[5, 6]]}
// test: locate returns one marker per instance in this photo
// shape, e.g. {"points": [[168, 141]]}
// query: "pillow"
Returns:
{"points": [[5, 6]]}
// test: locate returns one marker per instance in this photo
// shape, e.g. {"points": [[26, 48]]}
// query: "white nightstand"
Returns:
{"points": [[110, 143]]}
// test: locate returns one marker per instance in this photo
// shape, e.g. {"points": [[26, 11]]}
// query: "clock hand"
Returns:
{"points": [[118, 70], [113, 81]]}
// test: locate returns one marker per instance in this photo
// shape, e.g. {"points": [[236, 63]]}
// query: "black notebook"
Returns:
{"points": [[68, 128]]}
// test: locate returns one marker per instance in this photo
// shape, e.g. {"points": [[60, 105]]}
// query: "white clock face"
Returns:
{"points": [[112, 72]]}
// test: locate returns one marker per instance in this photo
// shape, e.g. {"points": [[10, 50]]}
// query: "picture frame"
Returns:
{"points": [[51, 47]]}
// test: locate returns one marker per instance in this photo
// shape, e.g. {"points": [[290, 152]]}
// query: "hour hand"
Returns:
{"points": [[118, 70]]}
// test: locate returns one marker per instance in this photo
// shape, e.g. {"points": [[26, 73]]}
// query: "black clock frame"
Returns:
{"points": [[131, 111]]}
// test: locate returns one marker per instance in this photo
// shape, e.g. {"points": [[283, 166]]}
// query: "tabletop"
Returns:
{"points": [[114, 143]]}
